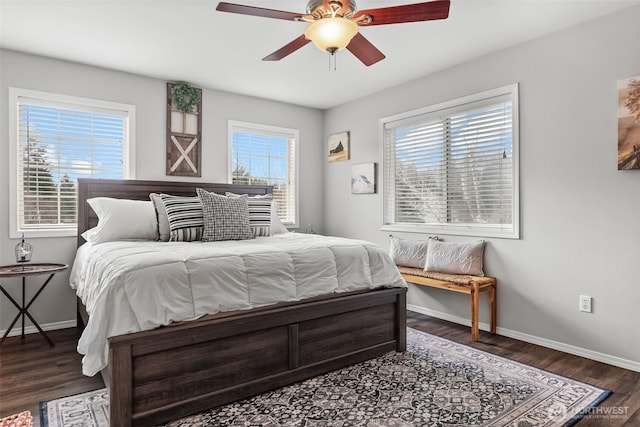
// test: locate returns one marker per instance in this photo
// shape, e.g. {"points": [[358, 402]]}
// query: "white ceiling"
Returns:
{"points": [[189, 40]]}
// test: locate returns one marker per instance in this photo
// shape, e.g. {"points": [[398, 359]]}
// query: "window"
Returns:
{"points": [[263, 154], [57, 139], [452, 168]]}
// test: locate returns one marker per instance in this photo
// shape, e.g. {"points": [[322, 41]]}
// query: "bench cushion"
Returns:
{"points": [[458, 279]]}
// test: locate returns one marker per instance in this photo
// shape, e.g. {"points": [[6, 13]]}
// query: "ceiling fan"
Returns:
{"points": [[333, 25]]}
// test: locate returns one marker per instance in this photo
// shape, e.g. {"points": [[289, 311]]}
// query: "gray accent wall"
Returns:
{"points": [[55, 307], [580, 216]]}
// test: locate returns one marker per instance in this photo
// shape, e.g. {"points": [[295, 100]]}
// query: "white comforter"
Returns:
{"points": [[135, 286]]}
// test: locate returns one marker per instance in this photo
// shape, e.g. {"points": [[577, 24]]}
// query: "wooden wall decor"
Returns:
{"points": [[184, 138]]}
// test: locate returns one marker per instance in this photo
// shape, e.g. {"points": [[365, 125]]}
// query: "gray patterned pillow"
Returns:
{"points": [[259, 214], [455, 258], [186, 222], [225, 218]]}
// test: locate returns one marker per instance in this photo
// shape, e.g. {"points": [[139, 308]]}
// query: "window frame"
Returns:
{"points": [[14, 153], [510, 91], [233, 125]]}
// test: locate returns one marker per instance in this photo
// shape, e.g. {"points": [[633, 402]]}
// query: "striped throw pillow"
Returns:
{"points": [[186, 220], [225, 218], [259, 214]]}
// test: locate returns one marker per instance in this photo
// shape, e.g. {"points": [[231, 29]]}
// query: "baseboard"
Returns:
{"points": [[29, 329], [555, 345]]}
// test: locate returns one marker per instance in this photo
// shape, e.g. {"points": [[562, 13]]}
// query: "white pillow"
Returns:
{"points": [[122, 219], [277, 227]]}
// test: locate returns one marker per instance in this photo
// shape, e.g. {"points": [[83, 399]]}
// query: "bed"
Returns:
{"points": [[162, 374]]}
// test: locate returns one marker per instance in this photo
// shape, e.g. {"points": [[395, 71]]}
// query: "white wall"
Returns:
{"points": [[55, 307], [580, 216]]}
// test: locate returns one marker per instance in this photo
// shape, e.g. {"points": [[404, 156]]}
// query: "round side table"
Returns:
{"points": [[24, 270]]}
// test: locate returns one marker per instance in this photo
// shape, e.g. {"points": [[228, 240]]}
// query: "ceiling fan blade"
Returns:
{"points": [[429, 11], [257, 11], [287, 49], [364, 50]]}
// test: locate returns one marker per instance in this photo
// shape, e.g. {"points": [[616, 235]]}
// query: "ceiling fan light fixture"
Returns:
{"points": [[333, 24], [331, 34]]}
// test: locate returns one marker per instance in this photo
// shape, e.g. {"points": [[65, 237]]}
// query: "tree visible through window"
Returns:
{"points": [[57, 140], [452, 168], [266, 155]]}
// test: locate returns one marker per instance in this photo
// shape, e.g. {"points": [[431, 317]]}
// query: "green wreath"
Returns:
{"points": [[185, 97]]}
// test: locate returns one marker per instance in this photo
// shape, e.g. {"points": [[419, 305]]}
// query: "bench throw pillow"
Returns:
{"points": [[455, 258], [184, 214], [408, 253], [225, 218]]}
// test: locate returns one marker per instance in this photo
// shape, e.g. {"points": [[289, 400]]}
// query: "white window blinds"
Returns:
{"points": [[57, 142], [266, 155], [452, 168]]}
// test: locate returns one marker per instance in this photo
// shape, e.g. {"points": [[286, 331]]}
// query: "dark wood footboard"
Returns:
{"points": [[170, 372]]}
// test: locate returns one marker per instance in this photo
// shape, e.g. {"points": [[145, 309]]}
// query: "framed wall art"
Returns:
{"points": [[363, 178], [338, 147], [629, 123]]}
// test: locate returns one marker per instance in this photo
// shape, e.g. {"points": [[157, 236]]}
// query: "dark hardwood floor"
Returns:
{"points": [[31, 371]]}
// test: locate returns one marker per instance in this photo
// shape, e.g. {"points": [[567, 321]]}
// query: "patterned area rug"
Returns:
{"points": [[435, 383]]}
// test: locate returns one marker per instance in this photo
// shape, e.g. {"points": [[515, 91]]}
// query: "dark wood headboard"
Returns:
{"points": [[139, 190]]}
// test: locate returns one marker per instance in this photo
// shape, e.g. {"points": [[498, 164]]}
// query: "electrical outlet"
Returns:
{"points": [[585, 303]]}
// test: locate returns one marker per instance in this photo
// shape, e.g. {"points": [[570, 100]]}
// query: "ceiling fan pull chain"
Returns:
{"points": [[333, 56]]}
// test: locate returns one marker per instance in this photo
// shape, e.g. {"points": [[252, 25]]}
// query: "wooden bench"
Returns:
{"points": [[471, 285]]}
